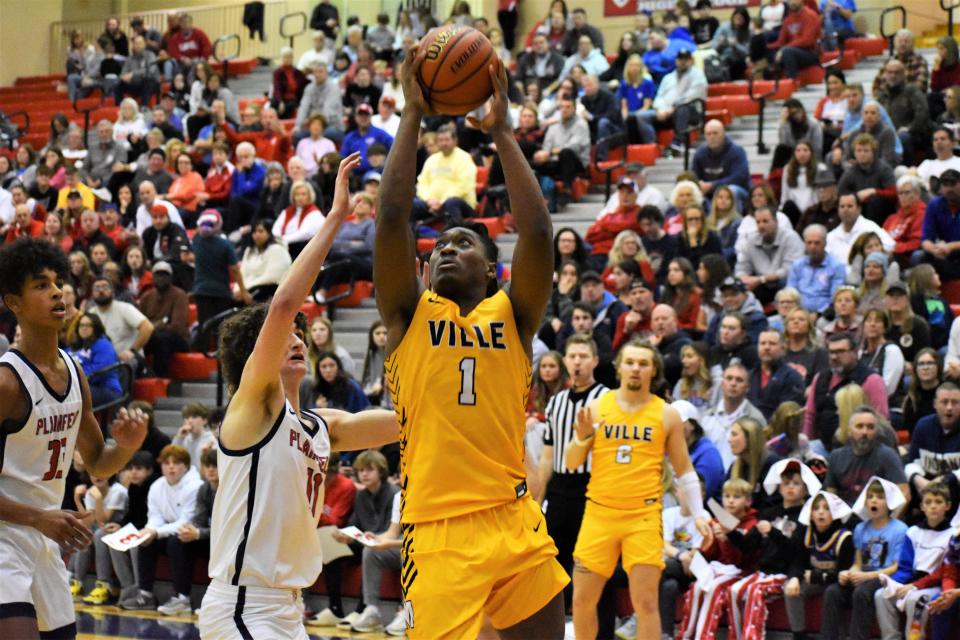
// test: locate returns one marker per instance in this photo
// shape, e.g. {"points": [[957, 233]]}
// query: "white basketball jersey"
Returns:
{"points": [[36, 455], [264, 527]]}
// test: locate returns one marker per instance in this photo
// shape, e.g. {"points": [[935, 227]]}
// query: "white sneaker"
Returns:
{"points": [[369, 621], [348, 620], [175, 606], [397, 626], [627, 630], [326, 618]]}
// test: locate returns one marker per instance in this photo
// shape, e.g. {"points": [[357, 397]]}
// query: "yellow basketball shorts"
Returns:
{"points": [[607, 533], [498, 562]]}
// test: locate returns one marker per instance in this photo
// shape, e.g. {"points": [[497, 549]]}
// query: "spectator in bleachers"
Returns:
{"points": [[185, 190], [185, 46], [300, 221], [908, 330], [272, 144], [165, 305], [928, 303], [216, 186], [731, 41], [696, 384], [116, 36], [155, 172], [935, 440], [381, 38], [845, 316], [579, 27], [873, 124], [907, 106], [825, 211], [288, 85], [735, 297], [721, 161], [797, 193], [171, 504], [246, 183], [930, 169], [446, 187], [729, 407], [194, 433], [81, 58], [817, 275], [42, 191], [322, 340], [838, 24], [582, 322], [360, 90], [917, 71], [703, 24], [90, 235], [682, 294], [386, 117], [216, 266], [264, 262], [275, 194], [374, 374], [821, 419], [733, 343], [797, 45], [765, 257], [852, 226], [364, 136], [164, 238], [137, 277], [334, 389], [946, 65], [74, 183], [140, 75], [905, 226], [802, 352], [918, 403], [678, 86], [669, 339], [696, 239], [832, 108], [941, 228], [602, 112], [319, 55], [103, 155], [588, 56], [566, 145], [880, 355], [541, 65], [602, 233], [22, 226], [94, 351], [797, 125], [871, 182], [126, 326], [873, 272], [752, 460], [569, 246]]}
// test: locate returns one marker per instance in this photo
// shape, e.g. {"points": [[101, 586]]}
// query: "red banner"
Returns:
{"points": [[621, 7]]}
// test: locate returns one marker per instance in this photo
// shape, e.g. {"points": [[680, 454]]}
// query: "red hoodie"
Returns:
{"points": [[800, 29], [602, 233], [727, 553]]}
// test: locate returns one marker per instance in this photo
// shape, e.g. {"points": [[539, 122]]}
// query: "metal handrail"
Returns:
{"points": [[86, 112], [331, 302], [303, 27], [949, 9], [761, 100], [903, 22], [614, 141], [225, 59], [206, 332], [126, 384], [691, 128]]}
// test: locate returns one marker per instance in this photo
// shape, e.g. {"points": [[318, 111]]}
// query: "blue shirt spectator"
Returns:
{"points": [[362, 138], [816, 275], [879, 548], [94, 351], [636, 95], [247, 183], [833, 20], [941, 223]]}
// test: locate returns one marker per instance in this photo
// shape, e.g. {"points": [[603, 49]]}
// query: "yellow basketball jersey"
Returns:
{"points": [[459, 386], [627, 455]]}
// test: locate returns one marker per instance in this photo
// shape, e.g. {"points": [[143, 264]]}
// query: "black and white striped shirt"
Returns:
{"points": [[561, 415]]}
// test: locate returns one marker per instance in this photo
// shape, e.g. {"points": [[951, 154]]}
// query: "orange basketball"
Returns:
{"points": [[454, 75]]}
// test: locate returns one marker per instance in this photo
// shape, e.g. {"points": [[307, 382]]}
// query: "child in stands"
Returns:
{"points": [[912, 585], [705, 602], [827, 550], [775, 544], [680, 542], [878, 539], [943, 610], [105, 503], [194, 434]]}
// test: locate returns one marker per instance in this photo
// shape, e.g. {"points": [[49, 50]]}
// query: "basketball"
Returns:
{"points": [[454, 75]]}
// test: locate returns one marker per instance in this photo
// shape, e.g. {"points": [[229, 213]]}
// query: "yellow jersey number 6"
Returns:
{"points": [[624, 454]]}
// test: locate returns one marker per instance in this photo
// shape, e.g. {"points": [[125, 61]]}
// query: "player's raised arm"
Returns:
{"points": [[531, 280], [127, 430], [395, 275], [687, 481], [260, 379], [354, 431]]}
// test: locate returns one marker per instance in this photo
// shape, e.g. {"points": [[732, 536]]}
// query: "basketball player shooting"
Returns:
{"points": [[45, 414], [459, 371], [273, 455]]}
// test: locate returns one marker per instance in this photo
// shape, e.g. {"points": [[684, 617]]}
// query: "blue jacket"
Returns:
{"points": [[660, 63], [100, 355], [942, 449], [727, 166], [355, 141], [939, 223], [707, 462], [247, 184], [784, 384], [816, 284]]}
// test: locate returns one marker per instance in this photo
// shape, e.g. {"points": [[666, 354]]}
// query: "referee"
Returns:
{"points": [[566, 490]]}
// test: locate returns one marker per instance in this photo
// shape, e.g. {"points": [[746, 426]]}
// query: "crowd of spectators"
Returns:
{"points": [[786, 310]]}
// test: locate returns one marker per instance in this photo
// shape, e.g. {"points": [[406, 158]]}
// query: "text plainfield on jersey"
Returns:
{"points": [[36, 455], [459, 387], [628, 454]]}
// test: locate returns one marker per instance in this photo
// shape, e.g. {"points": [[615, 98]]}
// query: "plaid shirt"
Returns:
{"points": [[917, 72]]}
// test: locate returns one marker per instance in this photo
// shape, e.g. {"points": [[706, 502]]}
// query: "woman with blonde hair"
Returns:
{"points": [[873, 287], [851, 400], [802, 352], [752, 460], [130, 126], [846, 319], [635, 95], [628, 246], [865, 244], [725, 219], [696, 385], [785, 301], [301, 220], [322, 341], [696, 238], [784, 434], [684, 194]]}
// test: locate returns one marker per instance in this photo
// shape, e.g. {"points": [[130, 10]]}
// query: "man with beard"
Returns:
{"points": [[165, 306], [773, 382], [850, 467], [126, 326], [820, 419]]}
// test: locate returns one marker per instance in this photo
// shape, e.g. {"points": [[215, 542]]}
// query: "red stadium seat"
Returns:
{"points": [[950, 290], [494, 226], [311, 310], [425, 245], [362, 289], [645, 154], [191, 366], [811, 75], [723, 115], [848, 61], [726, 89], [149, 389], [742, 105], [875, 46], [191, 314]]}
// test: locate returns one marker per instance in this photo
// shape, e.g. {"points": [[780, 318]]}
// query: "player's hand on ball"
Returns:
{"points": [[498, 113], [65, 528], [129, 428], [409, 70]]}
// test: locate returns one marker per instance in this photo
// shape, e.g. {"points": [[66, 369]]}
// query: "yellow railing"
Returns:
{"points": [[214, 20]]}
